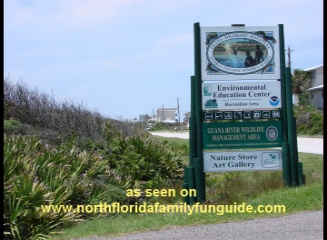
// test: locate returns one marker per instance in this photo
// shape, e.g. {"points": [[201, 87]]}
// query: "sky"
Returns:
{"points": [[125, 58]]}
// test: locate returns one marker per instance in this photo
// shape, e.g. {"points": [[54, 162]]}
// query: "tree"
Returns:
{"points": [[304, 98], [300, 81]]}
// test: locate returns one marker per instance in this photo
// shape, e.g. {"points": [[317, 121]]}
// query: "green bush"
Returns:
{"points": [[36, 175], [160, 126], [309, 120], [141, 158], [316, 119], [12, 126]]}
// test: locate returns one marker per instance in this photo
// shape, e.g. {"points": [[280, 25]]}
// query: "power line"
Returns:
{"points": [[307, 45], [318, 38], [301, 45]]}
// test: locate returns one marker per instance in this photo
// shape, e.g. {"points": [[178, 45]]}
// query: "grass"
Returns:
{"points": [[310, 196], [248, 189], [177, 143], [144, 222]]}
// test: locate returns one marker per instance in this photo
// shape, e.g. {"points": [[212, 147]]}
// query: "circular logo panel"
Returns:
{"points": [[272, 133], [240, 53]]}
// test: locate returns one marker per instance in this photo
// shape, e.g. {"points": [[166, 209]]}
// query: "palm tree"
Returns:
{"points": [[300, 81]]}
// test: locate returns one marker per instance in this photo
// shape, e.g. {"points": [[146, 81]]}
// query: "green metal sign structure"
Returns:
{"points": [[239, 53]]}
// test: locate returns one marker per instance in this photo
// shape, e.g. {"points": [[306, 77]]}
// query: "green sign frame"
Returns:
{"points": [[283, 130]]}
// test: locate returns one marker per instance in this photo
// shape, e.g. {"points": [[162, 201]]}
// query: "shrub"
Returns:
{"points": [[53, 121], [141, 158], [309, 120], [316, 121], [35, 176], [12, 126]]}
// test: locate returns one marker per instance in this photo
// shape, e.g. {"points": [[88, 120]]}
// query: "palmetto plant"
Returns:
{"points": [[35, 176], [142, 158]]}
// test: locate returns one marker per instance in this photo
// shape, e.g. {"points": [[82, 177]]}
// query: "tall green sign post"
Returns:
{"points": [[241, 98]]}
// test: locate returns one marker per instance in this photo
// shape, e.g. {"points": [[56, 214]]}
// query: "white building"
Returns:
{"points": [[316, 87], [168, 115]]}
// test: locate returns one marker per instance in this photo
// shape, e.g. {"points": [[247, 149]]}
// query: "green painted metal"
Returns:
{"points": [[198, 113], [192, 125], [191, 183], [186, 198], [301, 179], [301, 176], [200, 181], [192, 141], [285, 145], [291, 129]]}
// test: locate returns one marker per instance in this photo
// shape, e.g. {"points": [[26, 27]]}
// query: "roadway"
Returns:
{"points": [[305, 145]]}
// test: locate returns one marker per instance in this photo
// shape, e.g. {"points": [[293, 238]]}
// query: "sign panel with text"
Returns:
{"points": [[234, 95], [242, 161], [231, 135]]}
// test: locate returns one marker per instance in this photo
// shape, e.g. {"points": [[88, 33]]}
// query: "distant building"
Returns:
{"points": [[144, 118], [186, 119], [316, 87], [168, 115]]}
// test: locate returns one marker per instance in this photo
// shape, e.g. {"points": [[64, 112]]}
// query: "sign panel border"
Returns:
{"points": [[224, 52], [238, 135], [242, 161], [235, 95]]}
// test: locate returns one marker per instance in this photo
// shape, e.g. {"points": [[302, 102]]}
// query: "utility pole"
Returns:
{"points": [[163, 114], [179, 120], [289, 56]]}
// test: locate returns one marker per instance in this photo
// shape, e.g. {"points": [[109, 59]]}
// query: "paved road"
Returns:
{"points": [[300, 226], [307, 145]]}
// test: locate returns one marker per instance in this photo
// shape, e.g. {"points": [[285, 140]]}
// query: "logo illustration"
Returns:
{"points": [[274, 101], [266, 114], [208, 115], [207, 90], [272, 133], [211, 103], [271, 159], [256, 114], [228, 115], [240, 52], [276, 114], [247, 115], [219, 115]]}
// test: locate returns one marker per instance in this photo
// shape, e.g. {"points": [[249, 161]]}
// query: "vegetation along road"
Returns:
{"points": [[307, 145], [304, 225]]}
